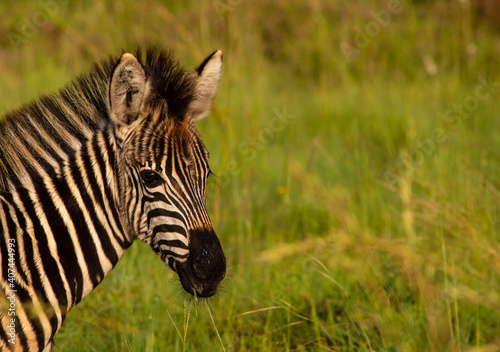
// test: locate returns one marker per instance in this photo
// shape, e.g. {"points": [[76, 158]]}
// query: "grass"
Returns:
{"points": [[356, 211]]}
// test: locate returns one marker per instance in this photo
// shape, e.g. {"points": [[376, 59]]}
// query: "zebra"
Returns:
{"points": [[112, 157]]}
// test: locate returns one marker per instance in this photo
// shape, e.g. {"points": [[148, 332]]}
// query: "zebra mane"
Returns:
{"points": [[30, 135]]}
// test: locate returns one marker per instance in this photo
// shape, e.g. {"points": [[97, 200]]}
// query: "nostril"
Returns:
{"points": [[200, 268]]}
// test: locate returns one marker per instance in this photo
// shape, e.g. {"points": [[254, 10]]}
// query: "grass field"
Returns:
{"points": [[357, 153]]}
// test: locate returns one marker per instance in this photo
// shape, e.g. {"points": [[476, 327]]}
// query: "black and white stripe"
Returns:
{"points": [[112, 157]]}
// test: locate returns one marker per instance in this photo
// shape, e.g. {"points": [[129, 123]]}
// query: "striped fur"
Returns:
{"points": [[114, 156]]}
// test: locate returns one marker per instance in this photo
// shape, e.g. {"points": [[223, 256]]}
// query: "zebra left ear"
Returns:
{"points": [[207, 78], [126, 89]]}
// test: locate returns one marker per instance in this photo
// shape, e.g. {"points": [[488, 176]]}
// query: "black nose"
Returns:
{"points": [[207, 257], [206, 265]]}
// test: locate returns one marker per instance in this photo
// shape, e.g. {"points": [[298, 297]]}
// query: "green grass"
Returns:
{"points": [[326, 251]]}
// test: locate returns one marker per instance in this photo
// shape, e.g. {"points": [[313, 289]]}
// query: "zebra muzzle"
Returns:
{"points": [[205, 266]]}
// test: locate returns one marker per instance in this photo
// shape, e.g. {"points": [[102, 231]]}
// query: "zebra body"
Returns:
{"points": [[114, 156]]}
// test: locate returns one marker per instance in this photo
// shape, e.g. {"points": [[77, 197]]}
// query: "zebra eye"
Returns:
{"points": [[151, 179]]}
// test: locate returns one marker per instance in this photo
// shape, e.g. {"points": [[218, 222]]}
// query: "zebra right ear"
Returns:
{"points": [[126, 89], [207, 78]]}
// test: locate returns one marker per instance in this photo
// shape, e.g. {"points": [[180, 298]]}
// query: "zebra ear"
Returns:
{"points": [[207, 77], [126, 89]]}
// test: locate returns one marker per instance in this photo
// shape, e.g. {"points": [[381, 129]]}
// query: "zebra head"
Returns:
{"points": [[163, 164]]}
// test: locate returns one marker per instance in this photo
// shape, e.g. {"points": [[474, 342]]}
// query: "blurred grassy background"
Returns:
{"points": [[357, 161]]}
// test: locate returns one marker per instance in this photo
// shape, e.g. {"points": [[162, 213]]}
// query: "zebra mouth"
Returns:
{"points": [[193, 285], [205, 266]]}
